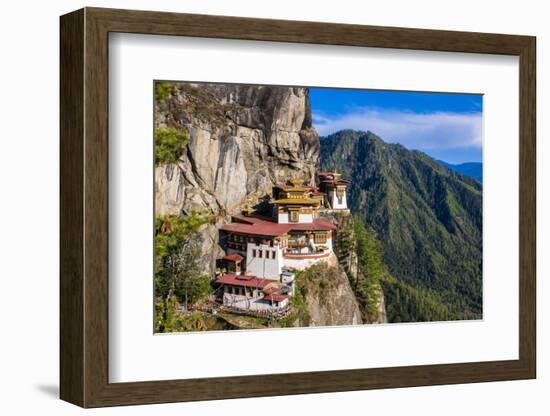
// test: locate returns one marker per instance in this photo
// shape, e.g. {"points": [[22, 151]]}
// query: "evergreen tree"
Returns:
{"points": [[178, 273], [369, 271]]}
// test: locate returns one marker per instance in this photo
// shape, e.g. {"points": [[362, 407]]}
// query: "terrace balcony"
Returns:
{"points": [[305, 251]]}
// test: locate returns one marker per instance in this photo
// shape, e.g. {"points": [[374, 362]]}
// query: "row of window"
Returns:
{"points": [[235, 246], [260, 253], [234, 290], [242, 239], [238, 238], [320, 238]]}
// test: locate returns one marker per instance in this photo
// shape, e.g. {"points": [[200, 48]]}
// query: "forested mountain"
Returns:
{"points": [[473, 169], [428, 219]]}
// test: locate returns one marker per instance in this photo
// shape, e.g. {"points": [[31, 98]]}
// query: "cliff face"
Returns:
{"points": [[328, 296], [242, 140]]}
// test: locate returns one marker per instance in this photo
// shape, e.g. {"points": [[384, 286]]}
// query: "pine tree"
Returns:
{"points": [[370, 269], [178, 273]]}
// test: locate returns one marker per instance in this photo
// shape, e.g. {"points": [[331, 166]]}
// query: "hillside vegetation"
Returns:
{"points": [[427, 218]]}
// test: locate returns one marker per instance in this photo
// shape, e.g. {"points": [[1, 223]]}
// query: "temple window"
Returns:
{"points": [[340, 195], [294, 216], [254, 252], [320, 238]]}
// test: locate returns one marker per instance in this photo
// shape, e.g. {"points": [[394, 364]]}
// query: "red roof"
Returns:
{"points": [[275, 297], [272, 229], [233, 257], [244, 280], [263, 228], [269, 290], [251, 219]]}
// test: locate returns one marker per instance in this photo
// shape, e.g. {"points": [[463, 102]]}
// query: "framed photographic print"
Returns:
{"points": [[259, 207]]}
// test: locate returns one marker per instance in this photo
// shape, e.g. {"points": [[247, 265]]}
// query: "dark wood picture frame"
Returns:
{"points": [[84, 207]]}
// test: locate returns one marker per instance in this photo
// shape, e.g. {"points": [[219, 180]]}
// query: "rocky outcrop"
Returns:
{"points": [[242, 140], [381, 310], [328, 296]]}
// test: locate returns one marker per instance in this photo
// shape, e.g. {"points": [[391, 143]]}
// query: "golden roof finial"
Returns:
{"points": [[296, 182]]}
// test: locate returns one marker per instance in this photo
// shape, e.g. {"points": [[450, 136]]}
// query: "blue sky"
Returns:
{"points": [[445, 126]]}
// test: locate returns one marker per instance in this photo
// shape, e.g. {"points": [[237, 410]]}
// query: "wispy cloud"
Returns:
{"points": [[422, 131]]}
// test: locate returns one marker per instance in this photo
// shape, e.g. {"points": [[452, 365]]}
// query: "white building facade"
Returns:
{"points": [[335, 190], [337, 197], [264, 260]]}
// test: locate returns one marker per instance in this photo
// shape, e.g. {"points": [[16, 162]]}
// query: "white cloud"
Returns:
{"points": [[423, 131]]}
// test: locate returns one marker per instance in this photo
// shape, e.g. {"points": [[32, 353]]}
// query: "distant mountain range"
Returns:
{"points": [[427, 217], [472, 169]]}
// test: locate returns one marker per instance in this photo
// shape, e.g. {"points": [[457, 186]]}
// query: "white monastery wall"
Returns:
{"points": [[257, 304], [284, 218], [265, 266], [334, 200]]}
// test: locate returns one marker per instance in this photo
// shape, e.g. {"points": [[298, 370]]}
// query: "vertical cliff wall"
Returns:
{"points": [[242, 140]]}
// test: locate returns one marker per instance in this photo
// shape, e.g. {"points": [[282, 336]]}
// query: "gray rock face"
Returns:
{"points": [[382, 314], [329, 297], [242, 141]]}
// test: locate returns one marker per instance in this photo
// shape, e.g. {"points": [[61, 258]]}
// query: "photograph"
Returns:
{"points": [[360, 192], [286, 206]]}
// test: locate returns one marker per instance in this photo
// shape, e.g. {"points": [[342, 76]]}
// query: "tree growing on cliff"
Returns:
{"points": [[169, 144], [163, 89], [178, 274], [369, 270]]}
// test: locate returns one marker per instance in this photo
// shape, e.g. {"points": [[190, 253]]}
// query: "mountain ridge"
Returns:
{"points": [[472, 169], [427, 217]]}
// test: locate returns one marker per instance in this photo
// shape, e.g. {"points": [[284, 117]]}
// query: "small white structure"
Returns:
{"points": [[337, 197], [335, 188], [248, 292], [288, 277]]}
